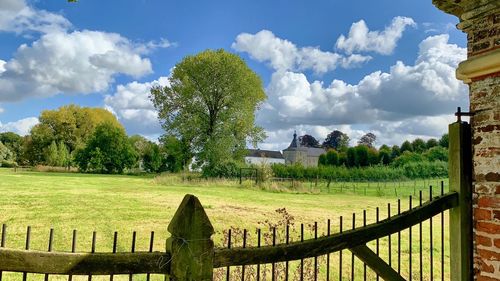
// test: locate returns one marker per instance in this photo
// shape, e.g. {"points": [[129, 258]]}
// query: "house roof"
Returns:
{"points": [[264, 153], [311, 151]]}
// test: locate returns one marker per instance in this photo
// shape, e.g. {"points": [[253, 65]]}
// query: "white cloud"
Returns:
{"points": [[284, 55], [2, 66], [21, 127], [79, 62], [131, 104], [361, 39], [17, 16], [409, 101]]}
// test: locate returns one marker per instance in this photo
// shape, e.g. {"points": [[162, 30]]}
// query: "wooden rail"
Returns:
{"points": [[84, 263], [329, 244]]}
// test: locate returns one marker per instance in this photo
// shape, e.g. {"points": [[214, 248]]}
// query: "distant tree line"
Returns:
{"points": [[91, 139]]}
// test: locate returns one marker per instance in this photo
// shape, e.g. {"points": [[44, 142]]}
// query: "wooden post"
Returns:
{"points": [[460, 173], [191, 247]]}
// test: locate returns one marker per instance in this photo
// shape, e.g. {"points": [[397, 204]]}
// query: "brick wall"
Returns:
{"points": [[480, 20], [485, 101]]}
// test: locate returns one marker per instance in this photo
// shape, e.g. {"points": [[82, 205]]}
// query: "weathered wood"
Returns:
{"points": [[460, 172], [376, 263], [82, 263], [191, 246], [336, 242]]}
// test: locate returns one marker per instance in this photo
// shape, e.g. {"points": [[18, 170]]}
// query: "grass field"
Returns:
{"points": [[109, 203]]}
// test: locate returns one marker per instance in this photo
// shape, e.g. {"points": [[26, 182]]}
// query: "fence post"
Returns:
{"points": [[190, 244], [460, 173]]}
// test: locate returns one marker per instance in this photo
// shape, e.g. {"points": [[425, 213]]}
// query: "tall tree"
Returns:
{"points": [[308, 141], [107, 151], [5, 153], [419, 145], [14, 142], [336, 140], [71, 124], [368, 140], [443, 141], [211, 102], [406, 146]]}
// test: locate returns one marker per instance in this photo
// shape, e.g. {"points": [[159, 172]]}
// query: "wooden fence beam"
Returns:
{"points": [[82, 263], [460, 173], [376, 263], [190, 244]]}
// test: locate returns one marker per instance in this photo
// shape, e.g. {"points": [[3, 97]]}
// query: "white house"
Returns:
{"points": [[258, 156]]}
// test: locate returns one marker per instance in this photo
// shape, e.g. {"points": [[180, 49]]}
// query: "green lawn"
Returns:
{"points": [[108, 203]]}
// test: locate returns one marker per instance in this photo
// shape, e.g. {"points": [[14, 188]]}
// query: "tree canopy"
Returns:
{"points": [[71, 125], [336, 140], [107, 151], [308, 141], [210, 104]]}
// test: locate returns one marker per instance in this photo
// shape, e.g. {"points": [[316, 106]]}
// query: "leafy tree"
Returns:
{"points": [[431, 143], [384, 156], [351, 157], [13, 142], [332, 158], [437, 153], [408, 157], [444, 140], [64, 157], [395, 151], [336, 140], [308, 141], [418, 145], [210, 103], [52, 155], [5, 153], [368, 140], [107, 151], [153, 159], [406, 146], [176, 153], [73, 125], [373, 156], [362, 155], [322, 160]]}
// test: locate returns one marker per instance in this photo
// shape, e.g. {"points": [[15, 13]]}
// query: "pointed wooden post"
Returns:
{"points": [[190, 244]]}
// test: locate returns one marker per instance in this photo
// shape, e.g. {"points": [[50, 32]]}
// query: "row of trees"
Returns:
{"points": [[92, 139]]}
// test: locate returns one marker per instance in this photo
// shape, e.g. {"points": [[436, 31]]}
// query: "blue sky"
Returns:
{"points": [[359, 66]]}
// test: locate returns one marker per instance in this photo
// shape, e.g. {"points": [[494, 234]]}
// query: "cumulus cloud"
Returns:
{"points": [[17, 16], [361, 39], [283, 55], [77, 62], [21, 127], [131, 104], [407, 101]]}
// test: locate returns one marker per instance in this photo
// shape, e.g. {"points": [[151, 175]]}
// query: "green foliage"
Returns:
{"points": [[351, 157], [71, 124], [411, 170], [5, 153], [153, 159], [418, 145], [395, 151], [431, 143], [13, 142], [444, 140], [406, 146], [361, 158], [336, 140], [108, 151], [211, 103], [332, 158], [385, 155], [226, 169], [408, 157], [437, 153], [177, 155]]}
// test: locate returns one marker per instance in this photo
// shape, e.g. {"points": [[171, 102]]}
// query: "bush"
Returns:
{"points": [[8, 164], [228, 169]]}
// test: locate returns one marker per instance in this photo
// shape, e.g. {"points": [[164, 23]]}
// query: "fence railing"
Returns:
{"points": [[191, 255]]}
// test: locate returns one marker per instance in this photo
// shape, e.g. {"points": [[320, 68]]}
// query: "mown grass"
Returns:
{"points": [[109, 203]]}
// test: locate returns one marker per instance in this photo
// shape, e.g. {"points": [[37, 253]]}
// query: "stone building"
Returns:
{"points": [[480, 20], [307, 156]]}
